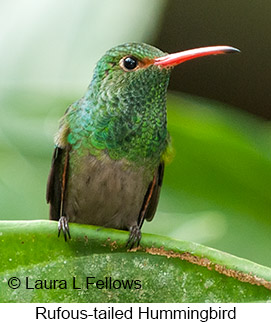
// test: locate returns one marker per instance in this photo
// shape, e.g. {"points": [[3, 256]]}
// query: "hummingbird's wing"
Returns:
{"points": [[54, 187], [57, 178], [152, 196]]}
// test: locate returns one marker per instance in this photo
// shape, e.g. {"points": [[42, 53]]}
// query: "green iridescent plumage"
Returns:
{"points": [[123, 113]]}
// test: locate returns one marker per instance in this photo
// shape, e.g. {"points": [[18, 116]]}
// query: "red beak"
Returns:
{"points": [[178, 58]]}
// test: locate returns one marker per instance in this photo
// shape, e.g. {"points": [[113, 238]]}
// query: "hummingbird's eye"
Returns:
{"points": [[129, 63]]}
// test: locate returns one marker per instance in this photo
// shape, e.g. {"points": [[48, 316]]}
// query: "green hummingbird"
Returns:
{"points": [[111, 146]]}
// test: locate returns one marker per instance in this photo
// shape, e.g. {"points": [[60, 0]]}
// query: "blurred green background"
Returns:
{"points": [[217, 189]]}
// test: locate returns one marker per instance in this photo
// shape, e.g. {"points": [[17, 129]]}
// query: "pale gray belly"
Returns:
{"points": [[105, 192]]}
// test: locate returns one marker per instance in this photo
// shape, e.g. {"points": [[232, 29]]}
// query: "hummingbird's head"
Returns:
{"points": [[128, 72], [136, 71], [127, 97]]}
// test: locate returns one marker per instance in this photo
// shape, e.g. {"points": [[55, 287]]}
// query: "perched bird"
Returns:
{"points": [[110, 150]]}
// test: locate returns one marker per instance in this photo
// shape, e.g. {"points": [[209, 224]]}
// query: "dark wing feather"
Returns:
{"points": [[152, 196], [53, 193]]}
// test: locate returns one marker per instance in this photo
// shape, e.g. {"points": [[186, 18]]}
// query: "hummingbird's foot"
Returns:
{"points": [[63, 225], [134, 237]]}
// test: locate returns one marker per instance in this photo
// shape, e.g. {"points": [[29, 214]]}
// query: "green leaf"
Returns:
{"points": [[167, 270]]}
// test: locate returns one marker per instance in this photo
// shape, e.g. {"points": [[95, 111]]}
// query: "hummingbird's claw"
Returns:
{"points": [[134, 237], [63, 225]]}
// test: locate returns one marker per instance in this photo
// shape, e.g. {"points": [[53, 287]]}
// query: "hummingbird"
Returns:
{"points": [[111, 147]]}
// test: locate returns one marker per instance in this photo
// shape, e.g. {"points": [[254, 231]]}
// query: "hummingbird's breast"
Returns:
{"points": [[106, 192], [138, 134]]}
